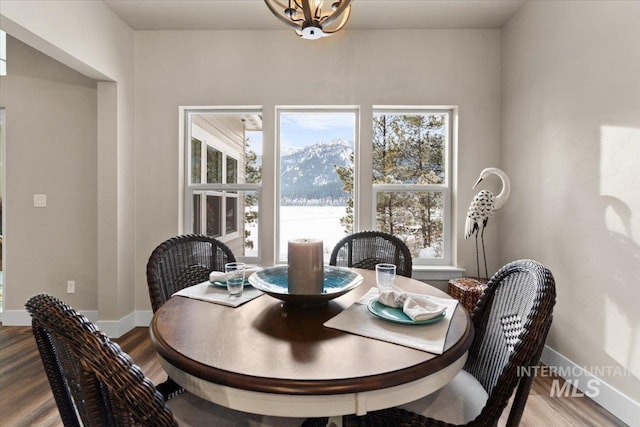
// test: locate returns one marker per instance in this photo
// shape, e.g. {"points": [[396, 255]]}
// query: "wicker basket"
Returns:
{"points": [[467, 290]]}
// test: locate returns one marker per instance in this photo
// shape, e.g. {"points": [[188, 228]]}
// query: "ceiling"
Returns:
{"points": [[365, 14]]}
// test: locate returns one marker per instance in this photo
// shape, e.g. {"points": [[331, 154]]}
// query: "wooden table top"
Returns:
{"points": [[267, 346]]}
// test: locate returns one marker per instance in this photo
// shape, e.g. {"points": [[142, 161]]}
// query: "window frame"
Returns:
{"points": [[320, 109], [364, 192], [223, 189], [445, 188]]}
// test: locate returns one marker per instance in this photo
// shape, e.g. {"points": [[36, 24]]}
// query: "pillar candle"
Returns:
{"points": [[306, 267]]}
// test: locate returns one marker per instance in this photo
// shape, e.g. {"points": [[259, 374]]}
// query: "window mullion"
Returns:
{"points": [[363, 164], [225, 187], [410, 187], [203, 161]]}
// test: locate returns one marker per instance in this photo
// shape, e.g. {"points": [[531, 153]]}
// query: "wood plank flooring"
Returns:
{"points": [[26, 400]]}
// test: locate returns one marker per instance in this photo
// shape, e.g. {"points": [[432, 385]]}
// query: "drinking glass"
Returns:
{"points": [[385, 276], [235, 278]]}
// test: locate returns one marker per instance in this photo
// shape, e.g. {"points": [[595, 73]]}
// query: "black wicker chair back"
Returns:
{"points": [[368, 248], [93, 381], [181, 262], [511, 321]]}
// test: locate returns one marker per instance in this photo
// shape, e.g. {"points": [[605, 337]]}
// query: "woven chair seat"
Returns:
{"points": [[458, 402]]}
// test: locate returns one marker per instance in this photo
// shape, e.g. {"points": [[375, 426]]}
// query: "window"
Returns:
{"points": [[223, 177], [327, 182], [316, 176], [411, 183]]}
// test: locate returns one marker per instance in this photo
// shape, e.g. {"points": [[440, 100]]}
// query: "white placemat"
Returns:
{"points": [[205, 291], [357, 320]]}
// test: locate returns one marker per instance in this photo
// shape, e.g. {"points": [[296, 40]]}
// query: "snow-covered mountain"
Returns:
{"points": [[308, 176]]}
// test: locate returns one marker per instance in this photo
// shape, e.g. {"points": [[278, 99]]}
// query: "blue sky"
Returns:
{"points": [[298, 130]]}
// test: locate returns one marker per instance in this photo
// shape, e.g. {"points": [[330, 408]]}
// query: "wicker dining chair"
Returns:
{"points": [[368, 248], [183, 261], [511, 323], [95, 383]]}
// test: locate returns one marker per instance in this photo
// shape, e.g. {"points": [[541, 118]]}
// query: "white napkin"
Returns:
{"points": [[418, 309], [221, 276]]}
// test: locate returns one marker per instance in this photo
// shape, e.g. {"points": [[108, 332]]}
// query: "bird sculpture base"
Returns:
{"points": [[467, 290]]}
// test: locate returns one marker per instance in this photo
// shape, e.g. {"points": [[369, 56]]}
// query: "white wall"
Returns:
{"points": [[571, 144], [271, 68]]}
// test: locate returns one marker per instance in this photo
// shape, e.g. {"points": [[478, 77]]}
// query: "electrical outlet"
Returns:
{"points": [[71, 286]]}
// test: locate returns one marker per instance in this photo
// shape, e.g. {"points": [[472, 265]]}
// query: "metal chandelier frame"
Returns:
{"points": [[310, 19]]}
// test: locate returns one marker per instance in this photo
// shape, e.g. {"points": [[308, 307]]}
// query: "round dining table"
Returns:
{"points": [[268, 357]]}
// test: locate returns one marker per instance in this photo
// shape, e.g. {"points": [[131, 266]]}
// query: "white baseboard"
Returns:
{"points": [[23, 318], [117, 328], [598, 390], [112, 328], [143, 317], [16, 318]]}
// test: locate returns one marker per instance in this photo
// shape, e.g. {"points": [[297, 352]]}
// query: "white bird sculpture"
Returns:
{"points": [[482, 206]]}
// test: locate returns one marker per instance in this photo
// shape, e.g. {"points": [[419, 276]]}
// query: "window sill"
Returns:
{"points": [[437, 272]]}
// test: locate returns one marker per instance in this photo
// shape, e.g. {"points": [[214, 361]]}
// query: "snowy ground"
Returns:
{"points": [[310, 222], [319, 222]]}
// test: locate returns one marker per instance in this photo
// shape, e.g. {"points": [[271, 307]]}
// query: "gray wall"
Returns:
{"points": [[571, 144], [89, 38], [50, 149], [271, 68]]}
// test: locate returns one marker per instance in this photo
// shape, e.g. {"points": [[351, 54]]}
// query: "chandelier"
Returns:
{"points": [[310, 19]]}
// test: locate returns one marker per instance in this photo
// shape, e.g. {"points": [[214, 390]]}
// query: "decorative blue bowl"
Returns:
{"points": [[274, 281]]}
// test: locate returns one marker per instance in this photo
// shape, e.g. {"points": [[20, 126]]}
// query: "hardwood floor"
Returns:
{"points": [[26, 400]]}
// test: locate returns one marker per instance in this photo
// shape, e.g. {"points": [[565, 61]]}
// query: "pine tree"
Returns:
{"points": [[407, 149], [345, 173]]}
